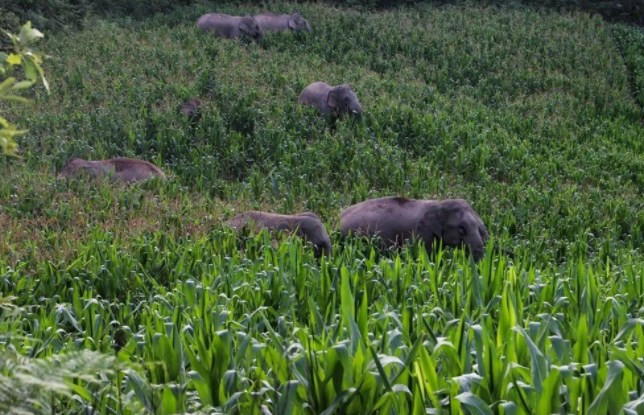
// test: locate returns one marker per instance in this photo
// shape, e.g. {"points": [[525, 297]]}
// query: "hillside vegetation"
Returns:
{"points": [[533, 117]]}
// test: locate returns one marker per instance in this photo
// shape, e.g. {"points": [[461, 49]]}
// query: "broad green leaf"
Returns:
{"points": [[15, 98], [508, 408], [611, 397], [6, 85], [381, 369], [22, 85], [628, 327], [31, 71], [474, 404], [538, 362], [169, 404], [343, 399], [363, 317]]}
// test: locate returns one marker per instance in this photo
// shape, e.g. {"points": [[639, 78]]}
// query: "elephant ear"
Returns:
{"points": [[433, 221], [291, 22], [244, 26], [332, 99], [93, 171], [484, 233]]}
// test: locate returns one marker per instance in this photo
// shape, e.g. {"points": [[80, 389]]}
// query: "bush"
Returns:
{"points": [[21, 55]]}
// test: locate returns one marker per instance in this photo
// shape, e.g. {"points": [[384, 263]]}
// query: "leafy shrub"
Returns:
{"points": [[23, 55]]}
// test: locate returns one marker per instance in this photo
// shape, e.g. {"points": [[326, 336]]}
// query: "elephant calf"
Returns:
{"points": [[122, 169], [271, 22], [307, 225], [395, 219], [230, 26], [336, 100]]}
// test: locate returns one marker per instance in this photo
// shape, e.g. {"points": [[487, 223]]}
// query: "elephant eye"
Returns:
{"points": [[462, 230]]}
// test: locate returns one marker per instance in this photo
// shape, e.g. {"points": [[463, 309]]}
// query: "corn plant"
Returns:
{"points": [[529, 115]]}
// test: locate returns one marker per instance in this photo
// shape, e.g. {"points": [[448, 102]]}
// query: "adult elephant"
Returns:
{"points": [[336, 100], [122, 169], [306, 225], [395, 219], [230, 26], [271, 22]]}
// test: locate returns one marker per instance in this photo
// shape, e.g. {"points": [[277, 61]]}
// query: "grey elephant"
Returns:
{"points": [[230, 26], [271, 22], [336, 100], [395, 219], [121, 169], [307, 225]]}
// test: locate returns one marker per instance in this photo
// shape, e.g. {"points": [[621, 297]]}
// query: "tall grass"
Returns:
{"points": [[528, 115]]}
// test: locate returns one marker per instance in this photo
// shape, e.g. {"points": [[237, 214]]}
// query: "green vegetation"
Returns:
{"points": [[530, 116], [21, 55], [631, 43]]}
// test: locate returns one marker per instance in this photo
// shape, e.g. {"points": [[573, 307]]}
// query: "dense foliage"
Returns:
{"points": [[631, 11], [54, 14], [21, 57], [529, 115], [631, 44]]}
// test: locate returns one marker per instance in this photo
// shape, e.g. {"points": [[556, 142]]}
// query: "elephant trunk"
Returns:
{"points": [[323, 248], [476, 245]]}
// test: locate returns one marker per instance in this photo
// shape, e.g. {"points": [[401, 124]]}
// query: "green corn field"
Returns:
{"points": [[131, 300]]}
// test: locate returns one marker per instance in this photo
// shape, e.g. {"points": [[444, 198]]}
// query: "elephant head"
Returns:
{"points": [[298, 23], [456, 223], [249, 26], [342, 99], [75, 166]]}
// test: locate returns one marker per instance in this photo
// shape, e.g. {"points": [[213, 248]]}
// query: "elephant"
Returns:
{"points": [[121, 169], [230, 26], [191, 109], [271, 22], [395, 219], [307, 225], [336, 100]]}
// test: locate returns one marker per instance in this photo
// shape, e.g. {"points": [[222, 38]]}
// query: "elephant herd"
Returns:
{"points": [[328, 99], [393, 220], [252, 26]]}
